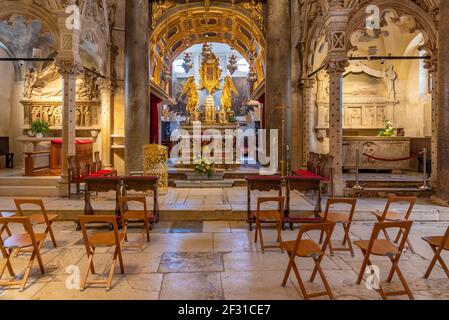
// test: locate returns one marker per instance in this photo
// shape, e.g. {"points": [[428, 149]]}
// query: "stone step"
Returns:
{"points": [[29, 181], [29, 191]]}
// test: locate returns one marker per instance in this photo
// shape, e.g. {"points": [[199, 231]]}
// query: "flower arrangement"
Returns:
{"points": [[388, 131], [232, 119], [203, 167], [40, 128]]}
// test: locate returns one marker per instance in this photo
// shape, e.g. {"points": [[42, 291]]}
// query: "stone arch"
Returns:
{"points": [[424, 22]]}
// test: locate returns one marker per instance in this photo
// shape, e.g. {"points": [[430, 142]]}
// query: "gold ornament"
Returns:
{"points": [[210, 72], [155, 163], [226, 97], [192, 96]]}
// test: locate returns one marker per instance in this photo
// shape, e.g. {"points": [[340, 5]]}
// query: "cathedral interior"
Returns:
{"points": [[204, 111]]}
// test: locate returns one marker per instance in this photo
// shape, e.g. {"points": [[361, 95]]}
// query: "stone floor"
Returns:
{"points": [[218, 260], [224, 204]]}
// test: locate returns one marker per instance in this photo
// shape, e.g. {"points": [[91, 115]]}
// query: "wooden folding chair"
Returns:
{"points": [[39, 218], [306, 248], [345, 219], [438, 244], [386, 248], [101, 239], [388, 215], [270, 216], [133, 216], [29, 239], [5, 214]]}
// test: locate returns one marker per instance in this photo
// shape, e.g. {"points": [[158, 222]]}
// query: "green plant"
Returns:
{"points": [[203, 167], [40, 126], [388, 131], [232, 119]]}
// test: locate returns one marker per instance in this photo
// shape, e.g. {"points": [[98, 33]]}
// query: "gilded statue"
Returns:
{"points": [[192, 95], [226, 96], [210, 72]]}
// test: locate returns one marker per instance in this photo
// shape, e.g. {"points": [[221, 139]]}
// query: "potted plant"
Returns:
{"points": [[204, 167], [388, 131], [40, 128]]}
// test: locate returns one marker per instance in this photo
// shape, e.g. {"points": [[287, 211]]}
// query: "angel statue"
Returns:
{"points": [[226, 96], [193, 99]]}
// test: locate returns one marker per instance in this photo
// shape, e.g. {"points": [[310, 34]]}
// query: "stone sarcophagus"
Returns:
{"points": [[388, 148]]}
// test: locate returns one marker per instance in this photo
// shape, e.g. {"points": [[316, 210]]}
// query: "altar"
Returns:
{"points": [[378, 147]]}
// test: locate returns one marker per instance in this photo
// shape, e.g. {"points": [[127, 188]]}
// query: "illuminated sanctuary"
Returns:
{"points": [[231, 125]]}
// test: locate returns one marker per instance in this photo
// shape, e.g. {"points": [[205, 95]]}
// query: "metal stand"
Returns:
{"points": [[425, 186], [357, 185]]}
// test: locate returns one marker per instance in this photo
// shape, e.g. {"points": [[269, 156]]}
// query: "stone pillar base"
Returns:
{"points": [[439, 202], [339, 187], [63, 187]]}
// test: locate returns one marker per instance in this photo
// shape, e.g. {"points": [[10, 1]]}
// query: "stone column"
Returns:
{"points": [[137, 83], [443, 105], [297, 114], [432, 68], [68, 63], [336, 23], [307, 91], [69, 71], [278, 73], [107, 98], [335, 70]]}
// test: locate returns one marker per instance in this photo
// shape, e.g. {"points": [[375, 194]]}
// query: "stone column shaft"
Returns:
{"points": [[335, 71], [432, 68], [443, 104], [137, 83], [307, 89], [278, 73], [107, 97]]}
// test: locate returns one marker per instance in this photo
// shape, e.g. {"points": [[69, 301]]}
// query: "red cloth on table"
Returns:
{"points": [[59, 141]]}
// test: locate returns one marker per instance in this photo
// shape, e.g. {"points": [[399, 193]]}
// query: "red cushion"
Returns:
{"points": [[59, 141], [314, 177], [305, 173], [267, 178], [104, 171]]}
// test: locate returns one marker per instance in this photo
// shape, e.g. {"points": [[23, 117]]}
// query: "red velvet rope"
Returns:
{"points": [[392, 160]]}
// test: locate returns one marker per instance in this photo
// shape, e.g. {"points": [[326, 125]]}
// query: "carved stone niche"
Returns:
{"points": [[367, 102], [87, 113]]}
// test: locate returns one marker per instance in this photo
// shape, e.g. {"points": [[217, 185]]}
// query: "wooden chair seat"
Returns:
{"points": [[104, 239], [335, 217], [138, 215], [436, 241], [23, 240], [40, 219], [380, 247], [268, 216], [306, 248], [390, 216]]}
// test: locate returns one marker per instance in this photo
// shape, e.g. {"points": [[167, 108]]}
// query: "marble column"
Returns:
{"points": [[432, 68], [107, 98], [443, 104], [307, 86], [278, 73], [336, 22], [137, 83], [297, 114], [335, 70], [69, 71]]}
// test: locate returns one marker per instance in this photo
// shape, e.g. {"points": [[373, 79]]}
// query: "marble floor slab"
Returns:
{"points": [[219, 260]]}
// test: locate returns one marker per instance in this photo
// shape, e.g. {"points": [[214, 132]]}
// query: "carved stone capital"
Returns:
{"points": [[306, 83], [431, 65], [105, 85], [336, 67], [69, 68]]}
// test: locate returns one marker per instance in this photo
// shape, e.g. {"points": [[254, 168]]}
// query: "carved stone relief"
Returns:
{"points": [[51, 112]]}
